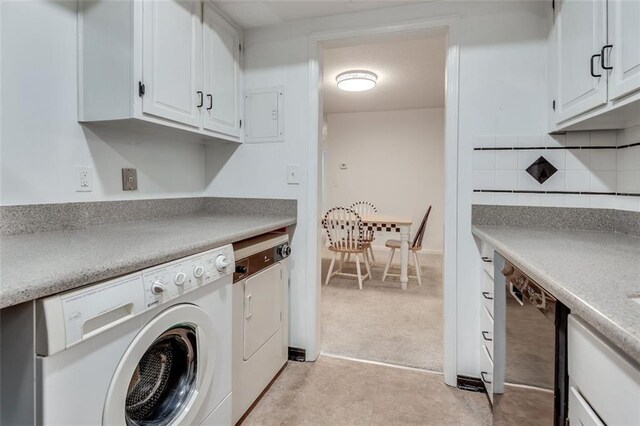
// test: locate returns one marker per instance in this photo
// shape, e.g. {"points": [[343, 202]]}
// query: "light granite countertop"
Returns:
{"points": [[44, 263], [592, 272]]}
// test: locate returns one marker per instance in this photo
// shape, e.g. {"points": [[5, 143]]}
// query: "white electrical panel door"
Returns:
{"points": [[171, 65], [581, 32], [624, 51], [221, 74], [264, 113], [262, 308]]}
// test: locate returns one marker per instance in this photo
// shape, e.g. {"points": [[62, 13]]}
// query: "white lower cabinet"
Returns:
{"points": [[605, 384], [580, 412]]}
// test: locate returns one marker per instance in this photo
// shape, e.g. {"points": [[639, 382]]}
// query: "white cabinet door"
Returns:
{"points": [[624, 54], [221, 74], [171, 64], [581, 32]]}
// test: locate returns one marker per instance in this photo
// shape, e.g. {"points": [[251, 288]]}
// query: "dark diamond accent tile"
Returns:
{"points": [[541, 170]]}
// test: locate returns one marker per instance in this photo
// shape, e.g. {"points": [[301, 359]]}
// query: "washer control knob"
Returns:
{"points": [[221, 262], [198, 271], [157, 287], [284, 250], [180, 278]]}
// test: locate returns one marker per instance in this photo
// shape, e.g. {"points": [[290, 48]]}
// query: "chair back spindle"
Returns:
{"points": [[365, 208], [417, 240], [344, 229]]}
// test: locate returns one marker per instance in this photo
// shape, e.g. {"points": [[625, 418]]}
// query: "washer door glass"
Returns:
{"points": [[164, 379]]}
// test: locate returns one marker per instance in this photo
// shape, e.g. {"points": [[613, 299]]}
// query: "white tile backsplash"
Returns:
{"points": [[578, 180], [578, 159], [603, 159], [505, 179], [484, 160], [578, 139], [506, 141], [484, 141], [603, 181], [604, 138], [506, 160], [579, 170]]}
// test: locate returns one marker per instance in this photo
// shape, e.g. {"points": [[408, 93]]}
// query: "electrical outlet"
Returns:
{"points": [[84, 179], [129, 179]]}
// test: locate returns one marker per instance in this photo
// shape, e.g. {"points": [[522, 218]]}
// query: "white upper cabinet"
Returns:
{"points": [[221, 74], [165, 65], [623, 55], [594, 76], [581, 32], [171, 64]]}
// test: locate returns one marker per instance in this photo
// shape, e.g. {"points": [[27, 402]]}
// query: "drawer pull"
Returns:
{"points": [[486, 295], [482, 373], [486, 259], [484, 336]]}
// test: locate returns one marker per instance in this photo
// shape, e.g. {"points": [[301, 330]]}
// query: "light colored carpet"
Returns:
{"points": [[340, 392], [382, 322]]}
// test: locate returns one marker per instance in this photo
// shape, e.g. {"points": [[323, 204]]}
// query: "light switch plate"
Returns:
{"points": [[293, 174], [129, 180]]}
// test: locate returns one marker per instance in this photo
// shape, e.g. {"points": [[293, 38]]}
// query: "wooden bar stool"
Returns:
{"points": [[346, 236], [415, 247]]}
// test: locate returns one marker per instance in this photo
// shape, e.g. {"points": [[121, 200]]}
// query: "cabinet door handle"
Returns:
{"points": [[482, 373], [602, 57], [210, 97], [201, 98], [593, 74], [486, 259], [484, 336], [486, 294]]}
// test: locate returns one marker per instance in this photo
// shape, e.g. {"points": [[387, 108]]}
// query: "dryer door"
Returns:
{"points": [[165, 373], [262, 308]]}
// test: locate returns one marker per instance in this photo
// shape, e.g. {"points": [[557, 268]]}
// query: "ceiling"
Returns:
{"points": [[253, 14], [411, 74]]}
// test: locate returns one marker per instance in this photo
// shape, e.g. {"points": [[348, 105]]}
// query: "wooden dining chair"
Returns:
{"points": [[414, 248], [366, 208], [346, 236]]}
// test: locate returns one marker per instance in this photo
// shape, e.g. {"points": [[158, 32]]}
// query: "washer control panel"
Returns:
{"points": [[170, 280]]}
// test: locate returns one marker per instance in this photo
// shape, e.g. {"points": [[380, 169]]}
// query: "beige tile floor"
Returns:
{"points": [[334, 391]]}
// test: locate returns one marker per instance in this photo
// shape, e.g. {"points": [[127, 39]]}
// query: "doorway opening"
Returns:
{"points": [[382, 156]]}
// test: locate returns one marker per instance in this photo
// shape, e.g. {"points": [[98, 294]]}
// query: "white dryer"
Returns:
{"points": [[150, 348], [260, 317]]}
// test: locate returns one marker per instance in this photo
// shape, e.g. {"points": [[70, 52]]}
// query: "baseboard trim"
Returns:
{"points": [[471, 384], [297, 354]]}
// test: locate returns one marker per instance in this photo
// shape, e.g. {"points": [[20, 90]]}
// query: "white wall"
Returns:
{"points": [[395, 160], [41, 140], [502, 91]]}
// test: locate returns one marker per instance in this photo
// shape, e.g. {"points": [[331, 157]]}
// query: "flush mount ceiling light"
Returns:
{"points": [[356, 81]]}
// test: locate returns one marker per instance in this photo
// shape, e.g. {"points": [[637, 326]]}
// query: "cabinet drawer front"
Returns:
{"points": [[486, 331], [606, 379], [487, 294], [580, 412], [486, 371]]}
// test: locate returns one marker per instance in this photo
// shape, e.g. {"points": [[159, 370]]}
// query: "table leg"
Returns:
{"points": [[404, 256]]}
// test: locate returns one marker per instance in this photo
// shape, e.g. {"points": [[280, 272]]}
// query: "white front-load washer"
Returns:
{"points": [[150, 348]]}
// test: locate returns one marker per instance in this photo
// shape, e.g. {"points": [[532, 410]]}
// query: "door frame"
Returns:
{"points": [[314, 185]]}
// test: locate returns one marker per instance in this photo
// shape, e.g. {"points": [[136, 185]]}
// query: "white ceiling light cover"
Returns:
{"points": [[356, 81]]}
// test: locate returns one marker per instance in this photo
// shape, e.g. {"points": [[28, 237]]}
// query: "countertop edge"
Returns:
{"points": [[96, 274], [621, 338]]}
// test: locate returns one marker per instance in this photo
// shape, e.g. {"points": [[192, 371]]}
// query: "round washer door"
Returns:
{"points": [[164, 375]]}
